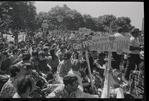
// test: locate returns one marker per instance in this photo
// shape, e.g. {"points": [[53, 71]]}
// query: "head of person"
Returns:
{"points": [[28, 67], [67, 56], [25, 85], [76, 55], [101, 55], [135, 32], [52, 52], [94, 54], [71, 82], [26, 57], [62, 48], [120, 30], [17, 71], [35, 54], [83, 65], [46, 49], [41, 55], [16, 52], [75, 65]]}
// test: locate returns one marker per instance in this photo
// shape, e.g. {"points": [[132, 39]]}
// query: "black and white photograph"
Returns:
{"points": [[73, 49]]}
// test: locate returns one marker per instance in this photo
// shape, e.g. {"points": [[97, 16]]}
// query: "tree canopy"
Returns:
{"points": [[22, 15]]}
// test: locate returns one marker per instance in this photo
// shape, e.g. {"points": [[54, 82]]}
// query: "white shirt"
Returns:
{"points": [[135, 43], [118, 35], [16, 95]]}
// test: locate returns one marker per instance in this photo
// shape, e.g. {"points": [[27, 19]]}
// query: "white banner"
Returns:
{"points": [[110, 43]]}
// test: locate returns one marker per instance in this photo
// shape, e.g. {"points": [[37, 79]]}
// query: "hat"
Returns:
{"points": [[67, 55], [45, 48], [135, 30]]}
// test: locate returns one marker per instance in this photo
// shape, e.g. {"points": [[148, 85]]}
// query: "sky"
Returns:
{"points": [[133, 10]]}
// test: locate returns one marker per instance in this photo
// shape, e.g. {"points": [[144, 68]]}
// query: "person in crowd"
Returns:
{"points": [[33, 47], [43, 68], [26, 58], [46, 51], [137, 81], [75, 55], [100, 64], [61, 52], [117, 57], [86, 82], [70, 89], [9, 89], [25, 86], [53, 60], [75, 67], [15, 57], [134, 53], [5, 62], [114, 84], [34, 59], [65, 65]]}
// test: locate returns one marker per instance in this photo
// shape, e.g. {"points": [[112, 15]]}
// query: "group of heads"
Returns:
{"points": [[25, 78]]}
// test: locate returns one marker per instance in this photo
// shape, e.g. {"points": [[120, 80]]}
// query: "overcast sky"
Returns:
{"points": [[133, 10]]}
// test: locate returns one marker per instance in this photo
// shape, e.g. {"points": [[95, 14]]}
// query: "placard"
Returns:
{"points": [[110, 43], [81, 44]]}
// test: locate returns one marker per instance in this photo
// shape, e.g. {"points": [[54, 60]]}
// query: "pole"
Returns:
{"points": [[88, 63], [108, 69]]}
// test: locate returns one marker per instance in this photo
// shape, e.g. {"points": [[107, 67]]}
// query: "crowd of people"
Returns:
{"points": [[51, 69]]}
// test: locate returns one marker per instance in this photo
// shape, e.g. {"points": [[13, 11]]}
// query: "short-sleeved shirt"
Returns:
{"points": [[135, 43]]}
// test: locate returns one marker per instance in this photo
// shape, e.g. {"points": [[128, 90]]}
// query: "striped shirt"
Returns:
{"points": [[138, 79]]}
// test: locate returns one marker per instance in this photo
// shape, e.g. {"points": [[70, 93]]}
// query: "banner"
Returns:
{"points": [[110, 43], [81, 45]]}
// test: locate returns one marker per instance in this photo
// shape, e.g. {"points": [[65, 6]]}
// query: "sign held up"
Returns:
{"points": [[110, 43], [81, 44]]}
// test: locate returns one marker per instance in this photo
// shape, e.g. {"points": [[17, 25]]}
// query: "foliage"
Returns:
{"points": [[22, 14], [18, 14]]}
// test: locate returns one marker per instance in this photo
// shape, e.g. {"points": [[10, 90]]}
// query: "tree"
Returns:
{"points": [[106, 21], [19, 14], [124, 23], [90, 23]]}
